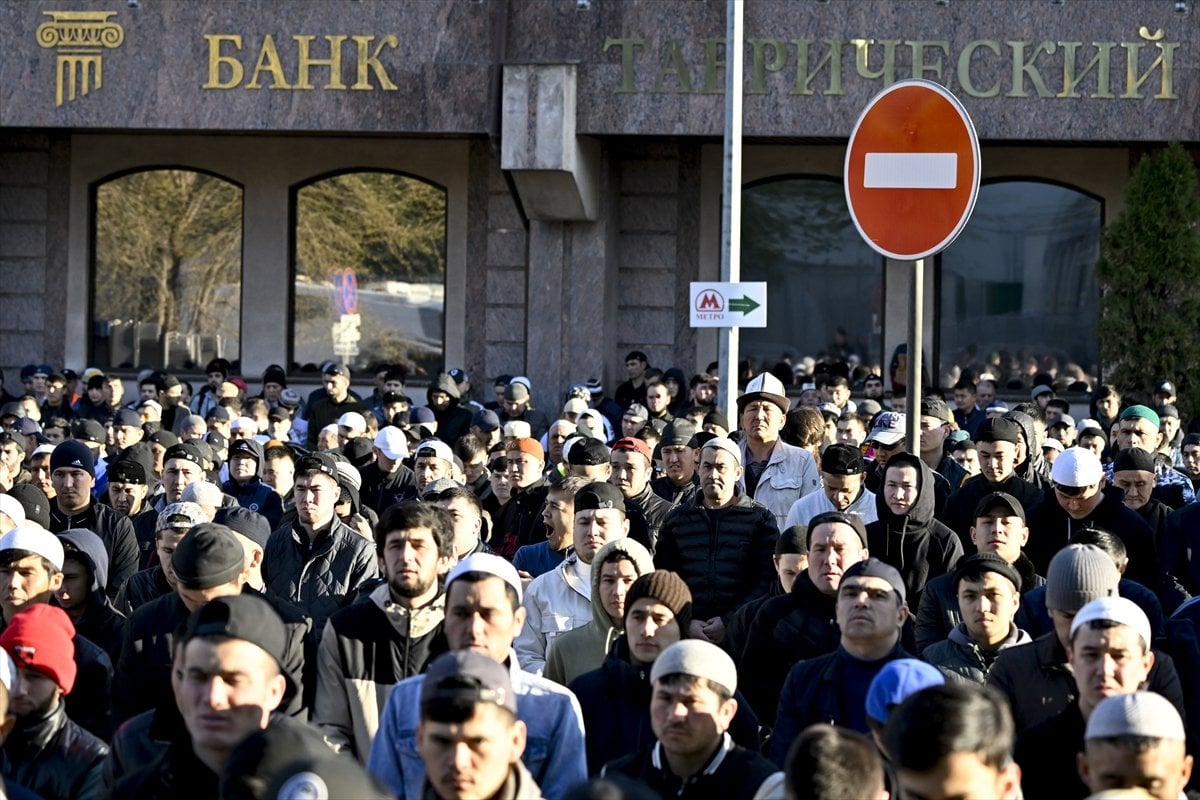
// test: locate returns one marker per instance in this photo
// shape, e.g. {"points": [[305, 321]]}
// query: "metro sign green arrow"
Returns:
{"points": [[742, 305], [728, 304]]}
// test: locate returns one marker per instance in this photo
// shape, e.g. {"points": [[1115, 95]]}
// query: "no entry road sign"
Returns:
{"points": [[912, 170]]}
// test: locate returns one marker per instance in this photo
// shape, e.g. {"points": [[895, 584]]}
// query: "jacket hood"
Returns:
{"points": [[921, 512], [257, 449], [642, 563], [1029, 468], [677, 374], [90, 548], [443, 383]]}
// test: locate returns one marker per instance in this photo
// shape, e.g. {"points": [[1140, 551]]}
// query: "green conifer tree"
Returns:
{"points": [[1149, 273]]}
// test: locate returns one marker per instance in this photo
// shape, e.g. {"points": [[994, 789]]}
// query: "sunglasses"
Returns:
{"points": [[1070, 491]]}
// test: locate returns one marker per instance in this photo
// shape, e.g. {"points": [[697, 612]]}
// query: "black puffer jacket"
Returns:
{"points": [[724, 555], [787, 629], [654, 511], [54, 757], [615, 700], [916, 544], [317, 579]]}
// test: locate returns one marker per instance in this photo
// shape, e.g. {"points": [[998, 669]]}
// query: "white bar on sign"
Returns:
{"points": [[911, 171]]}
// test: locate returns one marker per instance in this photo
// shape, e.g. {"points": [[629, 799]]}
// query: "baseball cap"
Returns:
{"points": [[517, 429], [486, 420], [251, 524], [467, 676], [888, 428], [679, 433], [1002, 501], [634, 444], [392, 442], [210, 555], [11, 507], [574, 406], [588, 452], [528, 446], [336, 369], [933, 406], [827, 517], [488, 563], [598, 496], [637, 411], [1114, 609], [241, 616], [842, 459], [352, 420], [435, 448], [896, 681], [459, 375], [1166, 387], [186, 451], [1040, 390]]}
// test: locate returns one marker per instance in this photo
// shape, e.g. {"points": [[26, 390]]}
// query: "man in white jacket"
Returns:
{"points": [[843, 488], [776, 474], [561, 599]]}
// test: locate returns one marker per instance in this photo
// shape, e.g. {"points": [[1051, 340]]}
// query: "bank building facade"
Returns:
{"points": [[530, 186]]}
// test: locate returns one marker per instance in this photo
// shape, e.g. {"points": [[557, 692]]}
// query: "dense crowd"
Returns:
{"points": [[246, 592]]}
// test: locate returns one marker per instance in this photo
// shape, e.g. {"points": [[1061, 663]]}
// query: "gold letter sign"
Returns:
{"points": [[81, 37]]}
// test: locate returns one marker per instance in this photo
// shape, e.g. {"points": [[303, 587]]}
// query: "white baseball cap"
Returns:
{"points": [[352, 420], [391, 442]]}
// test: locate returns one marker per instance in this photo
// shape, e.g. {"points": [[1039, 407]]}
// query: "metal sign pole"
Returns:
{"points": [[916, 330], [731, 202]]}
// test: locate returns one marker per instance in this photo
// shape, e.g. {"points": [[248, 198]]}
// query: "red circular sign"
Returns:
{"points": [[912, 170]]}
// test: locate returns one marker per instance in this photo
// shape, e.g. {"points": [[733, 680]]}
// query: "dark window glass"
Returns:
{"points": [[824, 284], [370, 267], [1018, 287], [167, 282]]}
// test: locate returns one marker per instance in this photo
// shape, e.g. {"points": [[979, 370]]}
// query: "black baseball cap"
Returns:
{"points": [[597, 496]]}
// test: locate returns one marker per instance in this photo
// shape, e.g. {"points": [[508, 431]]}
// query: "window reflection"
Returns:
{"points": [[823, 281], [1018, 287], [166, 288], [370, 271]]}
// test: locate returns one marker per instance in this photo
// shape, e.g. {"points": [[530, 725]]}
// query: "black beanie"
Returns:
{"points": [[210, 555]]}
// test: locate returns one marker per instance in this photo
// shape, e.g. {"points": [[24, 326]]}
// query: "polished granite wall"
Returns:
{"points": [[646, 67]]}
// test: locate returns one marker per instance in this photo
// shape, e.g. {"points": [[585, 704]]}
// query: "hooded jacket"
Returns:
{"points": [[937, 613], [1034, 469], [100, 623], [116, 531], [583, 649], [254, 494], [959, 514], [915, 543], [962, 660], [453, 420]]}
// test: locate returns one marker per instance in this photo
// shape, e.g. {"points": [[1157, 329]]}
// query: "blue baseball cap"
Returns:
{"points": [[896, 681]]}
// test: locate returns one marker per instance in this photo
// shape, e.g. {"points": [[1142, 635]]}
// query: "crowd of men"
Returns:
{"points": [[257, 594]]}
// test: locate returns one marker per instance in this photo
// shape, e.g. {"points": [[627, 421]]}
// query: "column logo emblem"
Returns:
{"points": [[80, 39]]}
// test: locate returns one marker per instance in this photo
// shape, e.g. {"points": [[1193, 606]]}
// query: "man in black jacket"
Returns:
{"points": [[833, 688], [444, 398], [1080, 499], [680, 455], [996, 444], [1109, 655], [632, 466], [47, 752], [800, 625], [906, 535], [721, 544], [690, 711], [368, 647], [73, 472]]}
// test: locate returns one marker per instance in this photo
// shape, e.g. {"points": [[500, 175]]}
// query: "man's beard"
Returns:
{"points": [[408, 589]]}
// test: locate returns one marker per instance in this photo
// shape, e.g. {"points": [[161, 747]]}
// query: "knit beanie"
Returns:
{"points": [[39, 637], [1079, 574], [667, 588], [73, 453]]}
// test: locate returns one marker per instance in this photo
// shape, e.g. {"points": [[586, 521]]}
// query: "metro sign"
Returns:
{"points": [[912, 170], [729, 305]]}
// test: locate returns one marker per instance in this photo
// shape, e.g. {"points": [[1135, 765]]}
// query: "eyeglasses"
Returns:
{"points": [[1070, 491]]}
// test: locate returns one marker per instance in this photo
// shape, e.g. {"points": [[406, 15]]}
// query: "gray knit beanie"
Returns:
{"points": [[1079, 574]]}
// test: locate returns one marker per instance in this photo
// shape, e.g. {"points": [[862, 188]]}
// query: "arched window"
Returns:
{"points": [[1018, 287], [824, 284], [370, 271], [167, 273]]}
